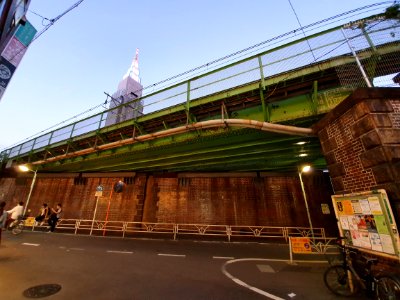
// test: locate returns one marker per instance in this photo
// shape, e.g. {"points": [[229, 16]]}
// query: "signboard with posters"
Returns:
{"points": [[366, 220]]}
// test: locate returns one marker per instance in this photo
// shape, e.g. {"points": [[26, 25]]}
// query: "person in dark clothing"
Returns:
{"points": [[3, 215], [54, 217], [42, 215]]}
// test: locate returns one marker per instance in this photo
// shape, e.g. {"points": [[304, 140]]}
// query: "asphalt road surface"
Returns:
{"points": [[100, 268]]}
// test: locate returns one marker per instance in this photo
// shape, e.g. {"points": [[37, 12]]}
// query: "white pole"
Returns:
{"points": [[94, 214], [30, 192], [290, 250], [306, 203], [358, 61]]}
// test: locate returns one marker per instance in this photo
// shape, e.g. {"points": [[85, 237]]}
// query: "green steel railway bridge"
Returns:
{"points": [[246, 112]]}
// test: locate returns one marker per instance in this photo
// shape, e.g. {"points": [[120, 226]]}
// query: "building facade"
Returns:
{"points": [[122, 104]]}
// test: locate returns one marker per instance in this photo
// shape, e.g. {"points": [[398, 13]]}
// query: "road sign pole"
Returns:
{"points": [[94, 214], [108, 210]]}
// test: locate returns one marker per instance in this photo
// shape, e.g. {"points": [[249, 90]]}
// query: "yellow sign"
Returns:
{"points": [[98, 193], [301, 245], [29, 221]]}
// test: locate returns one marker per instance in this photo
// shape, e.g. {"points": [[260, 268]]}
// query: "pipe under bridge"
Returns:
{"points": [[254, 114]]}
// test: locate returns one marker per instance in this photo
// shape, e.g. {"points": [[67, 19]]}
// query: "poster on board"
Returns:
{"points": [[366, 220]]}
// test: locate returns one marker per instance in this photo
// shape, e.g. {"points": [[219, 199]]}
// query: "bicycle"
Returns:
{"points": [[18, 225], [346, 278]]}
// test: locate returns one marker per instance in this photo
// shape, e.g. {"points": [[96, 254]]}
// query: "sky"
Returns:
{"points": [[86, 52]]}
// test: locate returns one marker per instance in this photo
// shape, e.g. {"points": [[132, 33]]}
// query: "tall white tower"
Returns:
{"points": [[128, 89]]}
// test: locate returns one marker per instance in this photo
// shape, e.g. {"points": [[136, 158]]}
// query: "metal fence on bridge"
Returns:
{"points": [[362, 43]]}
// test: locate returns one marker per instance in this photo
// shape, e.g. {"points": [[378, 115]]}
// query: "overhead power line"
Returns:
{"points": [[52, 21], [217, 61]]}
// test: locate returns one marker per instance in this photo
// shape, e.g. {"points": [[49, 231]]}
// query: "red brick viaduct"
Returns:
{"points": [[360, 140]]}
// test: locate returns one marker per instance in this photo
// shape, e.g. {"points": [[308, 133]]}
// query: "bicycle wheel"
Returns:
{"points": [[388, 287], [17, 229], [337, 281]]}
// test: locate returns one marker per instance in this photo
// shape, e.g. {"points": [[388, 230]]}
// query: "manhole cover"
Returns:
{"points": [[41, 291]]}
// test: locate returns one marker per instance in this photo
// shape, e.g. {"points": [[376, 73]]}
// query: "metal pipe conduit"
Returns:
{"points": [[241, 123]]}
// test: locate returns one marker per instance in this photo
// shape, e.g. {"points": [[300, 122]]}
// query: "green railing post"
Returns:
{"points": [[188, 102], [261, 72], [51, 136], [72, 130], [314, 97], [265, 108], [101, 120]]}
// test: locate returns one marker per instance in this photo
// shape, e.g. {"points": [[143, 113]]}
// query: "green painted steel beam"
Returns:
{"points": [[184, 154]]}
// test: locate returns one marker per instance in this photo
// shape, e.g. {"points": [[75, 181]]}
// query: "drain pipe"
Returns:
{"points": [[241, 123]]}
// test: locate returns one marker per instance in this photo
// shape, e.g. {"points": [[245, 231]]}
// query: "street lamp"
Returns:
{"points": [[24, 168], [306, 169]]}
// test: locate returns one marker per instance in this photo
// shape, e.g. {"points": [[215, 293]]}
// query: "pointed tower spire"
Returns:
{"points": [[129, 88], [133, 70]]}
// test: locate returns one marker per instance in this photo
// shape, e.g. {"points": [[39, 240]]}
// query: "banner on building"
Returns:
{"points": [[13, 52]]}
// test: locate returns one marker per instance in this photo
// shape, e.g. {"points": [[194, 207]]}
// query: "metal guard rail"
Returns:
{"points": [[131, 229], [281, 59]]}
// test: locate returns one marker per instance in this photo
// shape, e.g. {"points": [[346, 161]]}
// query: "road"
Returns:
{"points": [[113, 268]]}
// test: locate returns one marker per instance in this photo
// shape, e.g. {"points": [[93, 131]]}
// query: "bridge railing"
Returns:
{"points": [[269, 67], [174, 231]]}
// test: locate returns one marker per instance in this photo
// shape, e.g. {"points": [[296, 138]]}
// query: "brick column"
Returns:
{"points": [[360, 140]]}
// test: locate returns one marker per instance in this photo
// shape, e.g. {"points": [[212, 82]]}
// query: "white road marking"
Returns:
{"points": [[265, 268], [291, 295], [29, 244], [244, 284], [223, 257], [120, 252], [173, 255]]}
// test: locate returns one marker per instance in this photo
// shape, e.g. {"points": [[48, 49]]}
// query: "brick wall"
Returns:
{"points": [[343, 152], [78, 201], [268, 201], [360, 139], [271, 200]]}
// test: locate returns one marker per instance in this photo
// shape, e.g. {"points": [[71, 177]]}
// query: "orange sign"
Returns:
{"points": [[301, 245]]}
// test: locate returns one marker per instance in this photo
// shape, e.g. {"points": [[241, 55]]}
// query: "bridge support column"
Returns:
{"points": [[360, 140]]}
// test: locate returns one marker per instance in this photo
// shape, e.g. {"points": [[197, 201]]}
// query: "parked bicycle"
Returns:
{"points": [[355, 272], [18, 225]]}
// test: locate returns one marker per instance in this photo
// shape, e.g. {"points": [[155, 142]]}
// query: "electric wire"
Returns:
{"points": [[302, 29], [51, 23], [43, 18], [284, 36]]}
